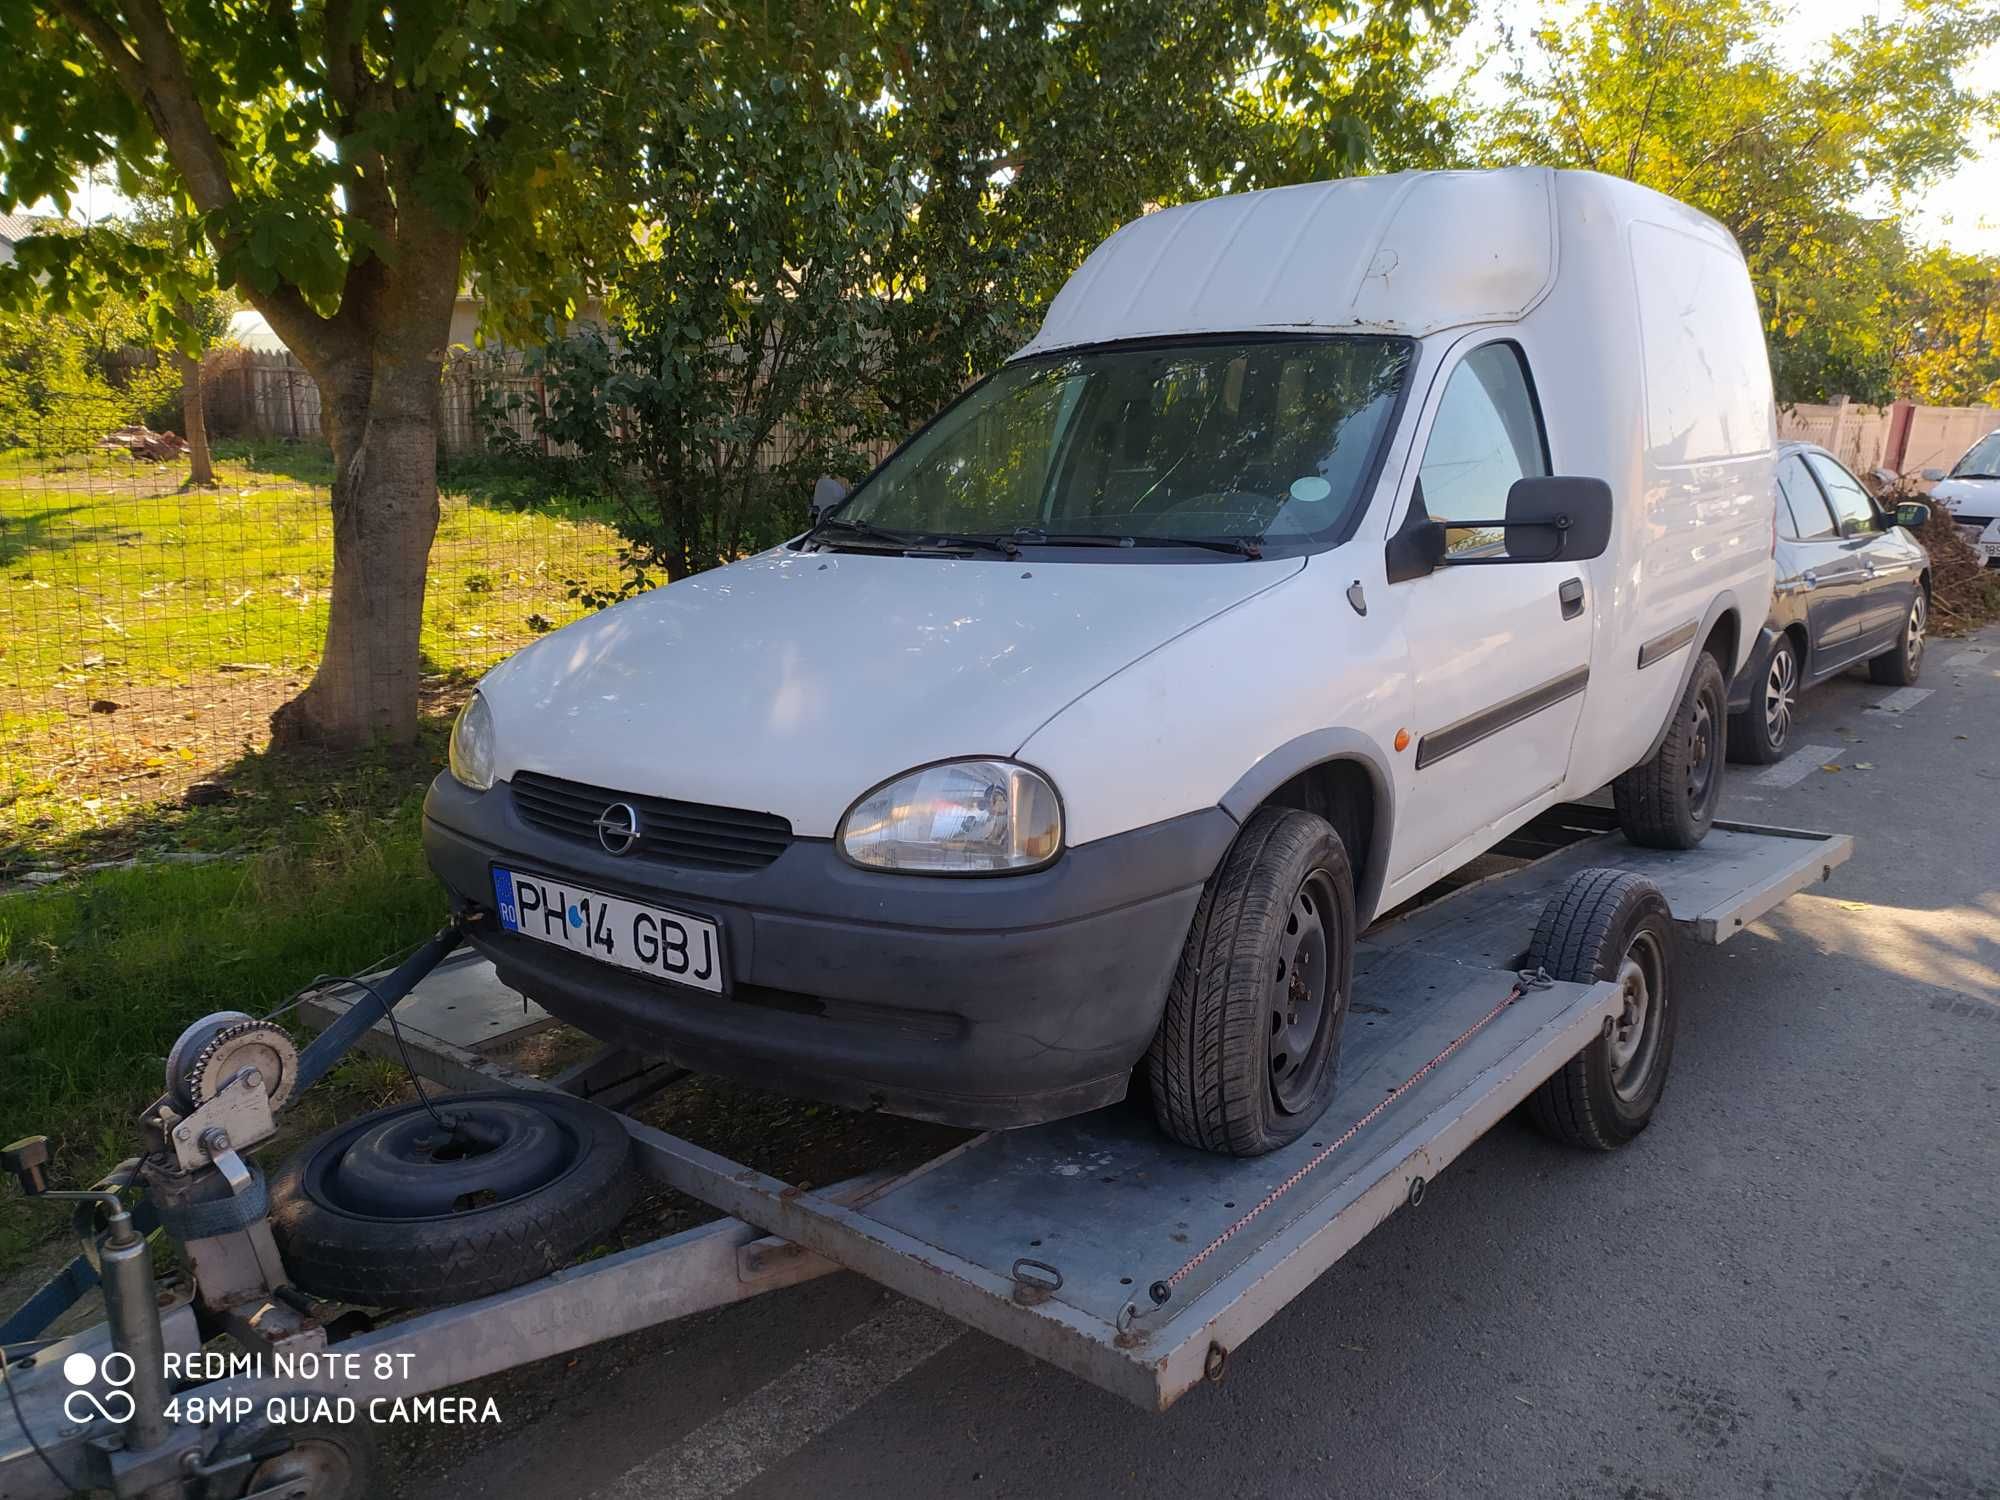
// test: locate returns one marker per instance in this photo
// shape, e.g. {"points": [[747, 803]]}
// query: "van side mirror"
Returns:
{"points": [[1913, 514], [1561, 518], [828, 493]]}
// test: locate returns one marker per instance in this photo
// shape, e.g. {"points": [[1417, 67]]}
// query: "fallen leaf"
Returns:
{"points": [[1829, 766]]}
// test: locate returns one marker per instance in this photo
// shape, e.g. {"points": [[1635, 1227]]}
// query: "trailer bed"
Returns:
{"points": [[1108, 1206]]}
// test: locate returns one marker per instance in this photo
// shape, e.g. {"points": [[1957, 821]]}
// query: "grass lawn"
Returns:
{"points": [[147, 631], [186, 616], [98, 975]]}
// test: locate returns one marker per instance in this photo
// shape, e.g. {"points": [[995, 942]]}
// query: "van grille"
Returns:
{"points": [[677, 833]]}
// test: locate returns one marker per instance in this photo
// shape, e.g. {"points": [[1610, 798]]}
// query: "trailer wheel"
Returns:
{"points": [[326, 1460], [1609, 924], [1669, 802], [1247, 1051], [390, 1210]]}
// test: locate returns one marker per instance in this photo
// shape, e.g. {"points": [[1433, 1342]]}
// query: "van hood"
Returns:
{"points": [[794, 682]]}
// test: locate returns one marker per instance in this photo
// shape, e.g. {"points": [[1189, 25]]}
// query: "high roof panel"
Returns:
{"points": [[1411, 253]]}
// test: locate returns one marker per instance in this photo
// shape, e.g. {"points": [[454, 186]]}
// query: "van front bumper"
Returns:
{"points": [[983, 1003]]}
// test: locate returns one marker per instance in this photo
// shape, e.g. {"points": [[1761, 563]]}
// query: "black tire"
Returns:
{"points": [[1248, 1050], [1670, 801], [1904, 664], [1604, 925], [1760, 734], [386, 1211]]}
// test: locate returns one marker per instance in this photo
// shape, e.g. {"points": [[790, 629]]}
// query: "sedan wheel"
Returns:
{"points": [[1899, 666], [1781, 691]]}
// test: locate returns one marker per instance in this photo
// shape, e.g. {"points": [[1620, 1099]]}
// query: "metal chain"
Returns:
{"points": [[1161, 1291]]}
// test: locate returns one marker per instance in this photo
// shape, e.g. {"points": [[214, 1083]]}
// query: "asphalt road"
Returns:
{"points": [[1790, 1285]]}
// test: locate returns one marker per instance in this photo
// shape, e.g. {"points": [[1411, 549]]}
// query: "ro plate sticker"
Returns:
{"points": [[503, 890]]}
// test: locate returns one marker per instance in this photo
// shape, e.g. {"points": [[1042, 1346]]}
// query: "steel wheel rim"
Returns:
{"points": [[1781, 685], [1633, 1042], [1913, 651], [325, 1468], [1703, 744], [1299, 996]]}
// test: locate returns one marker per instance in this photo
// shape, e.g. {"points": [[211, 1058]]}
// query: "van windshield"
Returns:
{"points": [[1257, 439]]}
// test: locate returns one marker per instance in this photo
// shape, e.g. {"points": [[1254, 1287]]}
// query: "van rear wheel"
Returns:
{"points": [[1247, 1052], [1670, 801]]}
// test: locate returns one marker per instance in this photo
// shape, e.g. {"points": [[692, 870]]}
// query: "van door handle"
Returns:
{"points": [[1571, 595]]}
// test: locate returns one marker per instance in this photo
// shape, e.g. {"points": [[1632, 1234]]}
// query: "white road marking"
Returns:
{"points": [[1975, 657], [770, 1425], [1797, 766], [1900, 701]]}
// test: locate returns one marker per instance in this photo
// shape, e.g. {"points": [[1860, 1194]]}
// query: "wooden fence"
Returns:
{"points": [[251, 394]]}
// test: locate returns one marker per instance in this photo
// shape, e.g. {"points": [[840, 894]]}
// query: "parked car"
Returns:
{"points": [[1971, 492], [1852, 585], [1311, 547]]}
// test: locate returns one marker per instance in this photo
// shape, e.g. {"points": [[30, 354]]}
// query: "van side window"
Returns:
{"points": [[1803, 517], [1487, 434], [1851, 506]]}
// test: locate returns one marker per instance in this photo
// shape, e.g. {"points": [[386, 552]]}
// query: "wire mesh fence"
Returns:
{"points": [[148, 627]]}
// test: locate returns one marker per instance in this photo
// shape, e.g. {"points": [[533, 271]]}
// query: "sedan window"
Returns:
{"points": [[1803, 516], [1851, 504]]}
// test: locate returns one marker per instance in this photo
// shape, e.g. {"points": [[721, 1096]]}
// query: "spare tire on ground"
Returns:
{"points": [[423, 1205]]}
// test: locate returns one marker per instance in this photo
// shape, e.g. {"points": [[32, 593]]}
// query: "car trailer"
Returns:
{"points": [[1093, 1243]]}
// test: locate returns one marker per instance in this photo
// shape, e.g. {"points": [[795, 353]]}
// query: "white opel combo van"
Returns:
{"points": [[1321, 538]]}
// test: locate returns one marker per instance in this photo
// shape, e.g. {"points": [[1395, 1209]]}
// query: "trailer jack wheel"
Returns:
{"points": [[304, 1460], [426, 1204]]}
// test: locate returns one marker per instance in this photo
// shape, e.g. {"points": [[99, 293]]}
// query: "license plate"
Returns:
{"points": [[649, 940]]}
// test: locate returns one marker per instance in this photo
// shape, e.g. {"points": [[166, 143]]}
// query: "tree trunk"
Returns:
{"points": [[381, 422], [194, 420]]}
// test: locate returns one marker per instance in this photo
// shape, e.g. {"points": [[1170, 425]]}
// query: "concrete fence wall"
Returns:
{"points": [[1905, 438]]}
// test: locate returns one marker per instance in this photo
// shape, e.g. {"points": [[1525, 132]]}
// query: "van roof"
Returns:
{"points": [[1406, 253]]}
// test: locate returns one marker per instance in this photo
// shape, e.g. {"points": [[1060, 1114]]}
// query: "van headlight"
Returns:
{"points": [[965, 817], [472, 744]]}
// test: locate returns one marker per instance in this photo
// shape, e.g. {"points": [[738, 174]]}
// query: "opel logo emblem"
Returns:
{"points": [[618, 828]]}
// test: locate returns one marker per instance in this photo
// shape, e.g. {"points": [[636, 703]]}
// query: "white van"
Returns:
{"points": [[1321, 538]]}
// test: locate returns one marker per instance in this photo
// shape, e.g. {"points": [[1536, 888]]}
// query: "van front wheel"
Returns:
{"points": [[1669, 802], [1247, 1051]]}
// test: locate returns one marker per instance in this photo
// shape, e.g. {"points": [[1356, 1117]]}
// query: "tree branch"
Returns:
{"points": [[156, 78]]}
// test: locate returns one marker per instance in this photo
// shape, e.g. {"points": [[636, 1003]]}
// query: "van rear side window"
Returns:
{"points": [[1708, 379]]}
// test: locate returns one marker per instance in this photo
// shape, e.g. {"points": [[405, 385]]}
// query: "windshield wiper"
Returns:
{"points": [[838, 527], [1241, 546], [951, 541]]}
